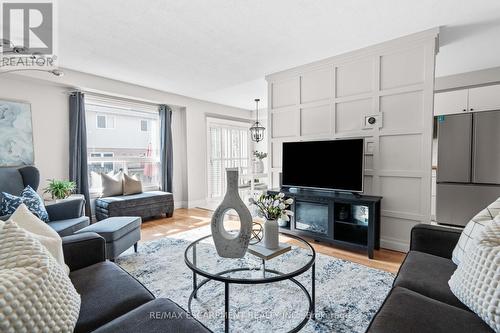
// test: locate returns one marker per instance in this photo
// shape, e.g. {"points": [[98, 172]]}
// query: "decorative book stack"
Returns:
{"points": [[267, 254]]}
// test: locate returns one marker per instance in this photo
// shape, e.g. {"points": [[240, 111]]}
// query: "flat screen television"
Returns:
{"points": [[329, 165]]}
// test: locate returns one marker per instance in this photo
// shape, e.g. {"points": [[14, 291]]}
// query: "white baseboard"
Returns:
{"points": [[394, 244], [196, 203], [180, 204]]}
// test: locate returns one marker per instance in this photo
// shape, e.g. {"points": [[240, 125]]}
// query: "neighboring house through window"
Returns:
{"points": [[128, 147], [105, 121], [105, 164]]}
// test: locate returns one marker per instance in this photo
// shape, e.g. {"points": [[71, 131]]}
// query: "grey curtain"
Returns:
{"points": [[166, 152], [78, 171]]}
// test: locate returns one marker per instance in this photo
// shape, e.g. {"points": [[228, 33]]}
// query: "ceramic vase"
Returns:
{"points": [[231, 245], [271, 234]]}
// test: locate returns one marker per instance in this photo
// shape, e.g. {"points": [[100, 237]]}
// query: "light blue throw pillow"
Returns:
{"points": [[30, 198]]}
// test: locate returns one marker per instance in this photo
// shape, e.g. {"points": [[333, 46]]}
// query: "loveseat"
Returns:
{"points": [[114, 301], [421, 300], [65, 217]]}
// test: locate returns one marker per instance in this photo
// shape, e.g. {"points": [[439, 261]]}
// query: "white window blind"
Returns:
{"points": [[228, 147]]}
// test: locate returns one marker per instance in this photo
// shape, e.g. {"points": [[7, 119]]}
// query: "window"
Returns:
{"points": [[228, 147], [105, 121], [101, 121], [128, 148], [106, 167]]}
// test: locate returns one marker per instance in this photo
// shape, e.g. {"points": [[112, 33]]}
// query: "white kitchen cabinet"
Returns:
{"points": [[450, 102], [485, 98]]}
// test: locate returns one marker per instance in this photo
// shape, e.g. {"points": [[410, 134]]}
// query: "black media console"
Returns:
{"points": [[334, 217]]}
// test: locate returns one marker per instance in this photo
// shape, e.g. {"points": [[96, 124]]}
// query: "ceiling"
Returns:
{"points": [[220, 50]]}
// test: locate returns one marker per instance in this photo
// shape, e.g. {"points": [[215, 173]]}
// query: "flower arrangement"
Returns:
{"points": [[273, 207], [60, 189], [259, 154]]}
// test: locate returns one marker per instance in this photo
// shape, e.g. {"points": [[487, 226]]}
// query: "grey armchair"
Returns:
{"points": [[65, 217]]}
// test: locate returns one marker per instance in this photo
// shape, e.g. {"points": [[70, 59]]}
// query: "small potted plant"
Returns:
{"points": [[258, 164], [272, 208], [60, 189]]}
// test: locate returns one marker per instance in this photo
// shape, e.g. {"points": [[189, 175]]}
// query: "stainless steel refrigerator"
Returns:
{"points": [[468, 169]]}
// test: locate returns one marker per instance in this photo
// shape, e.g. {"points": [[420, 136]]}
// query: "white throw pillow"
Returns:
{"points": [[476, 281], [131, 184], [41, 231], [473, 228], [95, 178], [112, 185], [36, 295]]}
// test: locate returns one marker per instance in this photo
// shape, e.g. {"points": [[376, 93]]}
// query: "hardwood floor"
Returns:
{"points": [[188, 219]]}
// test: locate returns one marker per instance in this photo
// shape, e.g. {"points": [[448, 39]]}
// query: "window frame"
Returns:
{"points": [[153, 181]]}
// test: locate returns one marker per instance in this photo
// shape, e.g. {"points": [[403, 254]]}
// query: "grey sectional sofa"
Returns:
{"points": [[65, 217], [112, 300], [421, 300]]}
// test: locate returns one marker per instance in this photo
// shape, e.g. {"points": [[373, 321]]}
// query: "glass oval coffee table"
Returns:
{"points": [[201, 257]]}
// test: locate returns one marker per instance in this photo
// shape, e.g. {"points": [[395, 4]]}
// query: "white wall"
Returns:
{"points": [[332, 98], [49, 100], [469, 79], [49, 108], [179, 139]]}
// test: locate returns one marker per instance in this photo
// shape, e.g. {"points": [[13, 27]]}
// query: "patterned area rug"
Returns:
{"points": [[347, 294]]}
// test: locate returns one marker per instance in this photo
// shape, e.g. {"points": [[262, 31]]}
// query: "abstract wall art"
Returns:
{"points": [[16, 134]]}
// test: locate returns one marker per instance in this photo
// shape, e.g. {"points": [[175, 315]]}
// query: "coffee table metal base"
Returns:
{"points": [[310, 296]]}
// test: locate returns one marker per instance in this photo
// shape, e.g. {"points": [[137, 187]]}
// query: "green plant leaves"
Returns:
{"points": [[60, 189]]}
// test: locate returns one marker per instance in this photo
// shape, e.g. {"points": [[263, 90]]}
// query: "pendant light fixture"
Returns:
{"points": [[257, 130]]}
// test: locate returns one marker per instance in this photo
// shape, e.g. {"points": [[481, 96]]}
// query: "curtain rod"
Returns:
{"points": [[118, 97]]}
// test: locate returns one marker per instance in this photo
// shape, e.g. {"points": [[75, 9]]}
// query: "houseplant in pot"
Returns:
{"points": [[258, 164], [60, 189], [272, 208]]}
